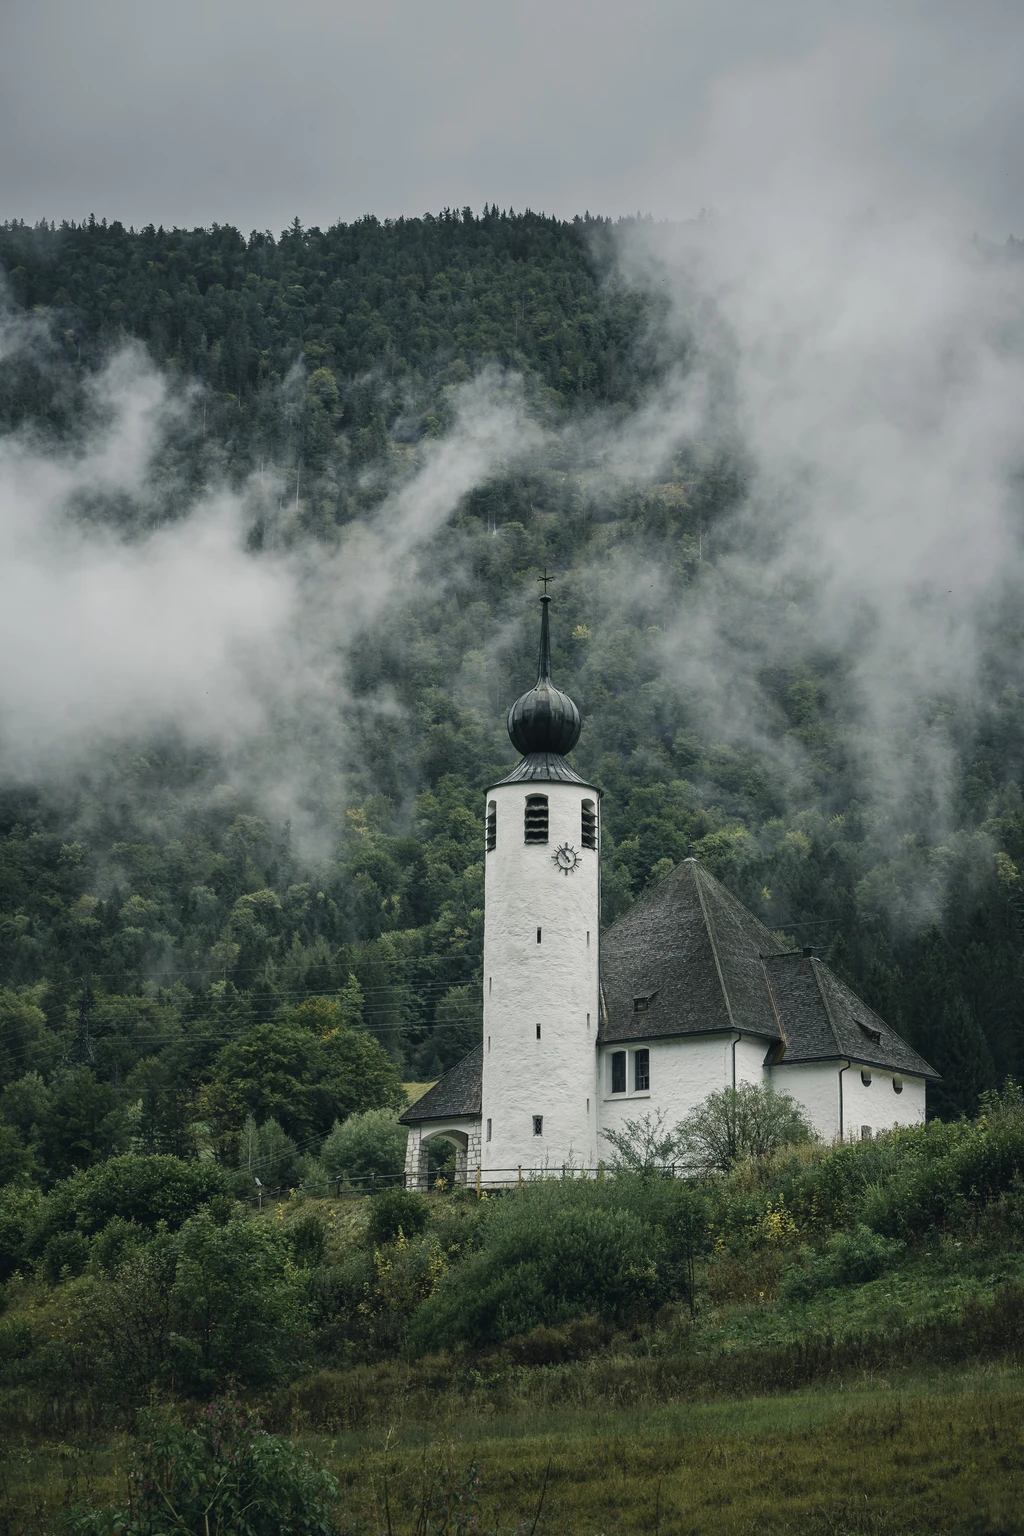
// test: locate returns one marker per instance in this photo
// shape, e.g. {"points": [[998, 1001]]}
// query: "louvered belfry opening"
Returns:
{"points": [[492, 827], [536, 829], [588, 824]]}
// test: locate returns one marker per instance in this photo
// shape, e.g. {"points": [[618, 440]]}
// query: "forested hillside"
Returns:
{"points": [[161, 927]]}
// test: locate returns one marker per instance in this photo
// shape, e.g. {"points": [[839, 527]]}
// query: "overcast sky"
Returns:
{"points": [[250, 112]]}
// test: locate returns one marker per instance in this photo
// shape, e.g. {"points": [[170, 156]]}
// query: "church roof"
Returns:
{"points": [[548, 767], [822, 1019], [697, 962], [455, 1094], [686, 960]]}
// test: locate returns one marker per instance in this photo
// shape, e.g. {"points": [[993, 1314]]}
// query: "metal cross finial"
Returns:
{"points": [[545, 579]]}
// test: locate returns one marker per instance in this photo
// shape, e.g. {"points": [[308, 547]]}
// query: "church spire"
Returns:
{"points": [[544, 719]]}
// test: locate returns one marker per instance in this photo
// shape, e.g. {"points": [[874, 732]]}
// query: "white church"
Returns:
{"points": [[685, 994]]}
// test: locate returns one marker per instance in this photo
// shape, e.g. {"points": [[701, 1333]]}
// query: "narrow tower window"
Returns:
{"points": [[536, 828], [538, 1125], [588, 824], [538, 1031], [642, 1071], [488, 1130], [492, 827], [618, 1072], [538, 935]]}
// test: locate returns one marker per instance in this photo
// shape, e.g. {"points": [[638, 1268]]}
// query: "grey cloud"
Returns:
{"points": [[250, 113]]}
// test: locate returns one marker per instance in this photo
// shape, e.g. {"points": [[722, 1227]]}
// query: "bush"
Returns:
{"points": [[218, 1301], [366, 1145], [753, 1120], [548, 1253], [850, 1258], [19, 1215], [66, 1254], [224, 1474], [395, 1210], [308, 1239], [145, 1189]]}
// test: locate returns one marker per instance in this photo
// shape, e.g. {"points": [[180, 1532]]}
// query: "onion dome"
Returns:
{"points": [[545, 719]]}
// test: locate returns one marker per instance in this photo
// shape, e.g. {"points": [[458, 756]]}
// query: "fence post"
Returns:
{"points": [[520, 1173], [478, 1181]]}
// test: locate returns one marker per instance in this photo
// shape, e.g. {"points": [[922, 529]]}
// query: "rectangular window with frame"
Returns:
{"points": [[618, 1072], [642, 1071], [588, 824], [538, 1125]]}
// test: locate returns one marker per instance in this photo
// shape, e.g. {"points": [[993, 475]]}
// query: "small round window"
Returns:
{"points": [[897, 1085], [865, 1078]]}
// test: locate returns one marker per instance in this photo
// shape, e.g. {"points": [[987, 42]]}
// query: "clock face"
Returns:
{"points": [[566, 859]]}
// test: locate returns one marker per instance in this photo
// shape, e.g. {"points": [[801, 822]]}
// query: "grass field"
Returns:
{"points": [[911, 1453]]}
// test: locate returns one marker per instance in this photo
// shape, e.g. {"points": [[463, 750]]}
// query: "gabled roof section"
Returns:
{"points": [[822, 1020], [457, 1093], [692, 953]]}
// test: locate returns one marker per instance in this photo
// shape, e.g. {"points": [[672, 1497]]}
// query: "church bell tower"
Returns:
{"points": [[542, 893]]}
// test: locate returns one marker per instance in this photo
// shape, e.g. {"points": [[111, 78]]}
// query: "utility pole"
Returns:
{"points": [[84, 1053]]}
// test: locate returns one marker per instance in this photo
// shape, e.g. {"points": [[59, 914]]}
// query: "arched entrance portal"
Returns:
{"points": [[465, 1138]]}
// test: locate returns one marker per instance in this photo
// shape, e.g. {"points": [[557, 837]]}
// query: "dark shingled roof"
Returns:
{"points": [[822, 1019], [694, 953], [705, 965], [457, 1093], [549, 767]]}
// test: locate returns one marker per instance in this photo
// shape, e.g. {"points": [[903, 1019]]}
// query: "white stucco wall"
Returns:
{"points": [[553, 983], [683, 1072], [816, 1086], [877, 1106]]}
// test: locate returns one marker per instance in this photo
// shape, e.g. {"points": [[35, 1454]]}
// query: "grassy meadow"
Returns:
{"points": [[913, 1451]]}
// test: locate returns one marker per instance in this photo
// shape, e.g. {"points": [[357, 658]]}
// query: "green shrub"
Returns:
{"points": [[849, 1258], [240, 1309], [116, 1243], [146, 1189], [218, 1301], [20, 1207], [66, 1254], [366, 1145], [547, 1254], [308, 1239], [395, 1210], [225, 1473], [314, 1179]]}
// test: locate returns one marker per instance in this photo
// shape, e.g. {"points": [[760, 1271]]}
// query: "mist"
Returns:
{"points": [[835, 327], [118, 635]]}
